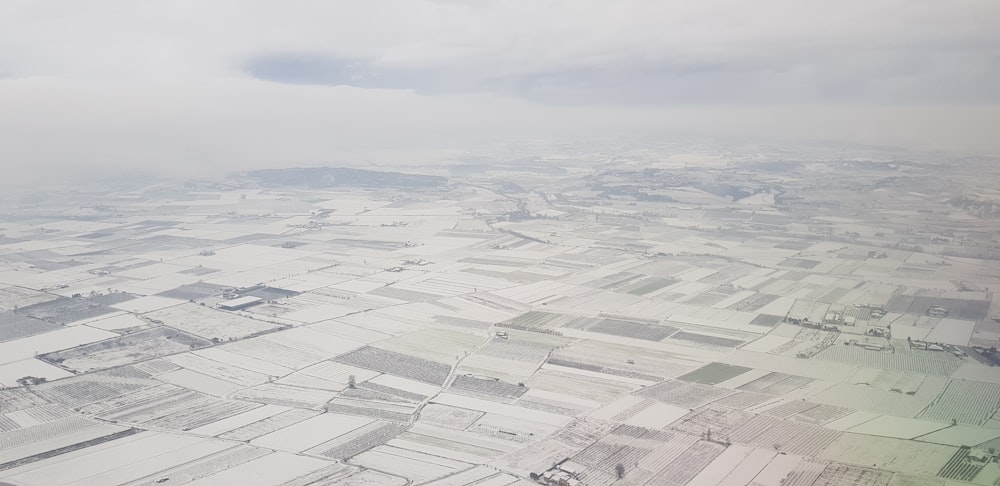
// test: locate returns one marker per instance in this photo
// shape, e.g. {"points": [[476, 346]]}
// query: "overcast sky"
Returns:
{"points": [[104, 84]]}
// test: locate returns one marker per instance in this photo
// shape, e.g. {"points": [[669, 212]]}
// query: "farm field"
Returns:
{"points": [[208, 323], [127, 349], [640, 318]]}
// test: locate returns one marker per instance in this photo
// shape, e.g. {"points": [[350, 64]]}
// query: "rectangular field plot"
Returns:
{"points": [[718, 421], [480, 475], [14, 399], [448, 416], [767, 343], [312, 342], [203, 466], [900, 479], [963, 309], [686, 466], [498, 408], [775, 472], [14, 326], [15, 297], [663, 447], [328, 375], [147, 304], [397, 364], [415, 466], [923, 362], [861, 397], [267, 349], [239, 420], [613, 358], [361, 439], [463, 441], [401, 387], [438, 345], [821, 414], [311, 432], [488, 386], [683, 394], [786, 436], [116, 461], [648, 285], [966, 402], [776, 384], [199, 382], [540, 320], [267, 425], [656, 416], [15, 436], [78, 391], [251, 364], [362, 403], [276, 468], [736, 466], [960, 468], [177, 410], [287, 396], [713, 373], [10, 373], [962, 435], [636, 330], [196, 290], [510, 429], [66, 310], [218, 370], [522, 346], [438, 447], [53, 442], [806, 472], [605, 455], [952, 331], [130, 348], [706, 339], [36, 345], [140, 468], [889, 454], [210, 323], [754, 303], [836, 474], [593, 388], [897, 427], [786, 408]]}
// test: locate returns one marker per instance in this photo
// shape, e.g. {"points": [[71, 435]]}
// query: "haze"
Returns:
{"points": [[195, 86]]}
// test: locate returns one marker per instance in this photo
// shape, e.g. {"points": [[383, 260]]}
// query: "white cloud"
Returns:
{"points": [[136, 84]]}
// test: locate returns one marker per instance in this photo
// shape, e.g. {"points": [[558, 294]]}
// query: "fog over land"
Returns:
{"points": [[194, 86], [517, 243]]}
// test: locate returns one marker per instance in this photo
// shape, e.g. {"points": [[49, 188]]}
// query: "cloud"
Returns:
{"points": [[189, 85], [576, 51]]}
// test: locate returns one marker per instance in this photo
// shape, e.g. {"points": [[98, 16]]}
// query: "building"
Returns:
{"points": [[240, 303]]}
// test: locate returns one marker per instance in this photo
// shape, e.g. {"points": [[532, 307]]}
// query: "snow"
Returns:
{"points": [[502, 409], [237, 421], [271, 470], [898, 427], [11, 372], [69, 337], [311, 432], [657, 415]]}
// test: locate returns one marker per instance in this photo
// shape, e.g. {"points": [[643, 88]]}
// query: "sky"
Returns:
{"points": [[195, 86]]}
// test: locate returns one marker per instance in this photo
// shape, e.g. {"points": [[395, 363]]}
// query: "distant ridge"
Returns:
{"points": [[326, 177]]}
